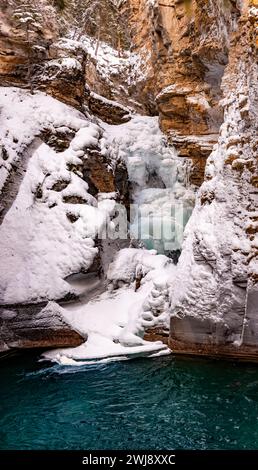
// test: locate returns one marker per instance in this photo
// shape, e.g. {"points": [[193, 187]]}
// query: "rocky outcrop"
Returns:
{"points": [[32, 59], [214, 301], [108, 110], [186, 44], [63, 75], [35, 326], [45, 59], [20, 50], [194, 49], [36, 60]]}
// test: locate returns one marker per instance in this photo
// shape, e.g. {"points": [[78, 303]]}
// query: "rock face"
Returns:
{"points": [[186, 44], [42, 59], [36, 61], [35, 326], [109, 111], [214, 302], [106, 176], [63, 75], [17, 50]]}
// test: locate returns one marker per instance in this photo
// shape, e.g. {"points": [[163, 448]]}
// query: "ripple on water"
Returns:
{"points": [[162, 403]]}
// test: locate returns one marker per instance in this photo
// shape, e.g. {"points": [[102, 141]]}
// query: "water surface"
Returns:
{"points": [[162, 403]]}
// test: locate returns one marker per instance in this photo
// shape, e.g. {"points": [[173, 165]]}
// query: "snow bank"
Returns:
{"points": [[115, 321], [128, 261]]}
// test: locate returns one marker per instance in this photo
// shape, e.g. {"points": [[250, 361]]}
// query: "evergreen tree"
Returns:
{"points": [[89, 17]]}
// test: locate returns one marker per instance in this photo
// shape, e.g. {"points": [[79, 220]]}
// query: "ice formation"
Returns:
{"points": [[162, 195]]}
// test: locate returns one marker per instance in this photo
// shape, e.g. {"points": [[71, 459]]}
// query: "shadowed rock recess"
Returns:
{"points": [[74, 78]]}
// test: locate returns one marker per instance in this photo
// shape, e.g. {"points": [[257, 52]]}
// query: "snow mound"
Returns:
{"points": [[115, 322], [129, 260]]}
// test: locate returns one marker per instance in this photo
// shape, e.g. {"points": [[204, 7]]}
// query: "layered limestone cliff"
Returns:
{"points": [[186, 45], [214, 300], [71, 51]]}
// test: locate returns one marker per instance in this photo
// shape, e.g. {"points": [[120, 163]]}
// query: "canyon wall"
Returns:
{"points": [[202, 62], [186, 43], [64, 51], [214, 301]]}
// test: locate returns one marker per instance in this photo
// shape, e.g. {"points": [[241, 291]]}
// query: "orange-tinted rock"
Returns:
{"points": [[186, 52]]}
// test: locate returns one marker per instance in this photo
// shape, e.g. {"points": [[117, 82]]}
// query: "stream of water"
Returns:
{"points": [[162, 403]]}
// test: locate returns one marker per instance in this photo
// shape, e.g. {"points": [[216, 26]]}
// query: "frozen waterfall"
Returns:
{"points": [[162, 197]]}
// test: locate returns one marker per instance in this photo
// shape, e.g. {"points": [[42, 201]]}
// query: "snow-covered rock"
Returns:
{"points": [[40, 242], [214, 297], [115, 321]]}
